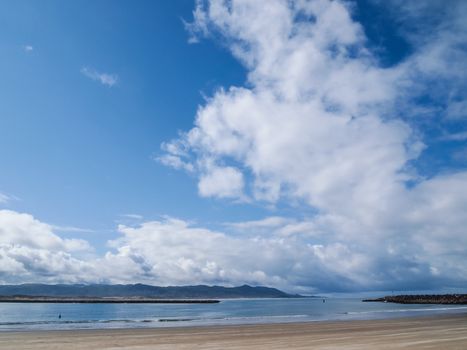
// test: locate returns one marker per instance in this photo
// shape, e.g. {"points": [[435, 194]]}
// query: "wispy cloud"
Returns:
{"points": [[133, 216], [70, 229], [104, 78], [175, 162], [4, 198], [28, 48], [458, 136], [268, 223]]}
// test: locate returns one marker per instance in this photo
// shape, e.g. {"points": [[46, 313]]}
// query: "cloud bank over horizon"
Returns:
{"points": [[323, 125]]}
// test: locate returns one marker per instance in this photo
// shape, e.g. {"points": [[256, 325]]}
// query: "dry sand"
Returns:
{"points": [[440, 332]]}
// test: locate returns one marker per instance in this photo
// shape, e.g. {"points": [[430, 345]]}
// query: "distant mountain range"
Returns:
{"points": [[141, 290]]}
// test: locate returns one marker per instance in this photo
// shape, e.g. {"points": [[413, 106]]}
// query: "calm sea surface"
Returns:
{"points": [[23, 316]]}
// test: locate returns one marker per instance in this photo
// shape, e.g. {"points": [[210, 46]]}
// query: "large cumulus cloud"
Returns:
{"points": [[31, 252], [322, 122]]}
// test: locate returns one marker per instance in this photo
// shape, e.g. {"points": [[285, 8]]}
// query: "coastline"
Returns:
{"points": [[428, 332]]}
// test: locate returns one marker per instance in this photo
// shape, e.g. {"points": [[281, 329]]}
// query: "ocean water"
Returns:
{"points": [[44, 316]]}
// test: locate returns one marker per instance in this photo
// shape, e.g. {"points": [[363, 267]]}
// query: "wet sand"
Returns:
{"points": [[435, 332]]}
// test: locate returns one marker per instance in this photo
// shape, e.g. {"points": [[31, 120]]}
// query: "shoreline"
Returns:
{"points": [[435, 331], [187, 322]]}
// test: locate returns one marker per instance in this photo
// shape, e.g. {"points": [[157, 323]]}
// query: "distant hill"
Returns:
{"points": [[141, 290]]}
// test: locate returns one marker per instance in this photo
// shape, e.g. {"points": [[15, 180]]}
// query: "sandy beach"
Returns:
{"points": [[436, 332]]}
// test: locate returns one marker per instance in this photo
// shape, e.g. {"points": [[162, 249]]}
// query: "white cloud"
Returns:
{"points": [[165, 252], [199, 25], [28, 48], [287, 253], [437, 66], [310, 126], [221, 182], [22, 229], [174, 252], [30, 251], [266, 223], [278, 226], [171, 251], [104, 78], [175, 162], [319, 123]]}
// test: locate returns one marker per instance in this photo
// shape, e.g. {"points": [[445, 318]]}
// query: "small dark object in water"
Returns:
{"points": [[324, 300], [59, 316]]}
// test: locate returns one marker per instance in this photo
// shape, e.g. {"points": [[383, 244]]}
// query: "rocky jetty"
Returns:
{"points": [[110, 300], [422, 299]]}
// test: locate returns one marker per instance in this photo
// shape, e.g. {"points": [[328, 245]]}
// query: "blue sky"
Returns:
{"points": [[78, 144], [312, 146]]}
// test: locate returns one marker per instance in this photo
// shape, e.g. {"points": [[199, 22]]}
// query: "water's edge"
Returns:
{"points": [[21, 317]]}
